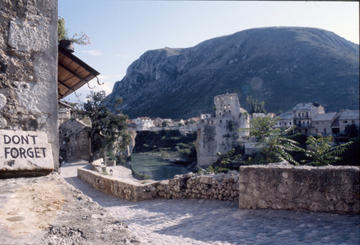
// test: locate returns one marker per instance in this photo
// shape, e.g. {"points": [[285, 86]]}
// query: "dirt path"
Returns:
{"points": [[216, 222]]}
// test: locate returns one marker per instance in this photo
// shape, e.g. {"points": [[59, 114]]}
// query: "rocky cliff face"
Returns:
{"points": [[282, 66]]}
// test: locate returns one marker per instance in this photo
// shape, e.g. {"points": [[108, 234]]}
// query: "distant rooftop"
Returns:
{"points": [[286, 115], [325, 117], [309, 105], [349, 115]]}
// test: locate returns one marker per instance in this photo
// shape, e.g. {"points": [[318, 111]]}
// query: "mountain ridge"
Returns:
{"points": [[274, 64]]}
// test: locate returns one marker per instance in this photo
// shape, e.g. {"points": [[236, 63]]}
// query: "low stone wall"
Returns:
{"points": [[125, 189], [323, 189], [220, 186]]}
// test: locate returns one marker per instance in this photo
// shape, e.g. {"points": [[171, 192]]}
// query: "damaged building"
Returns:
{"points": [[220, 133]]}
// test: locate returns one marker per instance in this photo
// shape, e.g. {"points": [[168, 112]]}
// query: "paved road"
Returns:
{"points": [[216, 222]]}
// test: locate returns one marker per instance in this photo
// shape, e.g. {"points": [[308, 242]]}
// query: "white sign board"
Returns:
{"points": [[25, 150]]}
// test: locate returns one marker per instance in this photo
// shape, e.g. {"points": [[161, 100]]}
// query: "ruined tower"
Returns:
{"points": [[221, 133]]}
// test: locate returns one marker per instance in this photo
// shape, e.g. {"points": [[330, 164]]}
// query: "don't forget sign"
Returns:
{"points": [[24, 150]]}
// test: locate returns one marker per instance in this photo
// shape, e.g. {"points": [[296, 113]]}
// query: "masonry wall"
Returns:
{"points": [[222, 186], [322, 189], [215, 187], [74, 141], [28, 67]]}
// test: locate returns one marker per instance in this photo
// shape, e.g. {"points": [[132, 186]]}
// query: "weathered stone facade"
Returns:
{"points": [[64, 112], [223, 187], [321, 189], [221, 133], [28, 68], [75, 141]]}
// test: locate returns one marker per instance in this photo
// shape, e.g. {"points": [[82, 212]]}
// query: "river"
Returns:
{"points": [[154, 167]]}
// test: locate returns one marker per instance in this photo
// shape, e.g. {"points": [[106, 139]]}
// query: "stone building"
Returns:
{"points": [[323, 124], [303, 114], [64, 112], [227, 129], [143, 123], [28, 72], [75, 143], [348, 117], [286, 120]]}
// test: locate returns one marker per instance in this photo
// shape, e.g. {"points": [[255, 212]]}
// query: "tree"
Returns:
{"points": [[276, 144], [321, 152], [255, 105], [108, 132]]}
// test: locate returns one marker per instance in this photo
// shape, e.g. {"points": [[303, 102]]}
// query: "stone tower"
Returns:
{"points": [[221, 133]]}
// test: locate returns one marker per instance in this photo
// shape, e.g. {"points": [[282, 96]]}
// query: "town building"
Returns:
{"points": [[64, 112], [286, 120], [324, 124], [347, 118], [143, 123], [303, 114]]}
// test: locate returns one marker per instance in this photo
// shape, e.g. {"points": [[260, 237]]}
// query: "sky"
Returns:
{"points": [[121, 31]]}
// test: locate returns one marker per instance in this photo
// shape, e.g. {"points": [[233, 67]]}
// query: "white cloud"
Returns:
{"points": [[92, 52]]}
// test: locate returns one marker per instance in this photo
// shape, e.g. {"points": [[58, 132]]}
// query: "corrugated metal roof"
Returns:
{"points": [[73, 73]]}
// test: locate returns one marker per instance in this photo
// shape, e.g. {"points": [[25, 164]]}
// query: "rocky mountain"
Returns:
{"points": [[279, 65]]}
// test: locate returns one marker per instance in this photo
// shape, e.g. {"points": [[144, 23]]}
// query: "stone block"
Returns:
{"points": [[24, 153]]}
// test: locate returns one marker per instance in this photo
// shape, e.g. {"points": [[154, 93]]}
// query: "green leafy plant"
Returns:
{"points": [[320, 151], [78, 38], [275, 142]]}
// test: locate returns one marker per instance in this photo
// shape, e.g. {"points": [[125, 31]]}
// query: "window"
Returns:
{"points": [[307, 114], [345, 121], [289, 123]]}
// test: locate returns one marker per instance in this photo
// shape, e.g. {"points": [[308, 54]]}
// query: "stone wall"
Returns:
{"points": [[74, 141], [217, 187], [125, 189], [322, 189], [28, 68]]}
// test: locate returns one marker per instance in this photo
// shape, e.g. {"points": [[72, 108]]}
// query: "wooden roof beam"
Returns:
{"points": [[70, 71]]}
